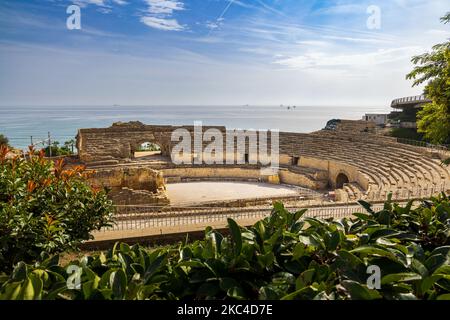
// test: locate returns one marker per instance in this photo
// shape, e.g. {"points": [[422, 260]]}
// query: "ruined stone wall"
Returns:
{"points": [[119, 142], [301, 180], [340, 125], [213, 173], [312, 180], [334, 168], [139, 178], [127, 196], [356, 126], [132, 185]]}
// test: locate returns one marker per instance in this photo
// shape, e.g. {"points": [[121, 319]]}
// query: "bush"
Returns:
{"points": [[3, 140], [148, 147], [280, 257], [44, 208], [406, 133], [56, 150]]}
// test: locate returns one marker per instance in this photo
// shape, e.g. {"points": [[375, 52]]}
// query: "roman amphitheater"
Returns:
{"points": [[338, 165]]}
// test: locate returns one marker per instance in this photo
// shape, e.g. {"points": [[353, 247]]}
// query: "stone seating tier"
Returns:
{"points": [[384, 163]]}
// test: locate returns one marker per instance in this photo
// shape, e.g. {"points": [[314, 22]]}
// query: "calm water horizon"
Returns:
{"points": [[20, 123]]}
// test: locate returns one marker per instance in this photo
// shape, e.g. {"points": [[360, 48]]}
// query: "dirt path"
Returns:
{"points": [[198, 192]]}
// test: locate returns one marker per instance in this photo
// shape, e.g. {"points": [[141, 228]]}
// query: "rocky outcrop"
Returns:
{"points": [[355, 126]]}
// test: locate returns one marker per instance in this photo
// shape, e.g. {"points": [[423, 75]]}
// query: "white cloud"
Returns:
{"points": [[159, 15], [409, 3], [214, 24], [359, 60], [259, 51], [105, 4], [343, 9], [437, 32], [313, 43], [356, 39], [162, 24], [164, 6], [105, 10], [84, 3]]}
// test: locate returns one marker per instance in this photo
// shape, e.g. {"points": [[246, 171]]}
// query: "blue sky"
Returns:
{"points": [[222, 52]]}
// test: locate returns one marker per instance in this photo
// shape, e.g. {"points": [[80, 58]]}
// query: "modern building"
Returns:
{"points": [[380, 119], [405, 111]]}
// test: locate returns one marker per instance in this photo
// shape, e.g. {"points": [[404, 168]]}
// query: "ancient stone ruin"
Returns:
{"points": [[132, 185], [347, 157]]}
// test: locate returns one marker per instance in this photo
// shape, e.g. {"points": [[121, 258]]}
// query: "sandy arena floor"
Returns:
{"points": [[197, 192]]}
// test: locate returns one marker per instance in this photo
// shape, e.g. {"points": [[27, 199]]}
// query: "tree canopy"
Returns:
{"points": [[433, 70]]}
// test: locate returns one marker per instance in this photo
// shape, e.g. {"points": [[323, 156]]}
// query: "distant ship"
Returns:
{"points": [[116, 105]]}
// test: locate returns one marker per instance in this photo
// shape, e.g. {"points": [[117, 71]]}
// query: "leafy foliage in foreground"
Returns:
{"points": [[280, 257], [44, 208]]}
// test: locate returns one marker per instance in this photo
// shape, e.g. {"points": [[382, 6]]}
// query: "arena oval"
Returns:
{"points": [[349, 162]]}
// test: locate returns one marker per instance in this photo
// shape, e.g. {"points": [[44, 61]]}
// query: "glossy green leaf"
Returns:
{"points": [[236, 236], [400, 277], [118, 283], [357, 291]]}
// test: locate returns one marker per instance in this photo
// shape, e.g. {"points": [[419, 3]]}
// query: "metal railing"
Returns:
{"points": [[148, 217], [423, 144], [24, 143], [411, 99], [142, 217]]}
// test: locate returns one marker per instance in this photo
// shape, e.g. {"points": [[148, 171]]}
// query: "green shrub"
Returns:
{"points": [[56, 150], [44, 208], [406, 133], [148, 147], [280, 257], [3, 140]]}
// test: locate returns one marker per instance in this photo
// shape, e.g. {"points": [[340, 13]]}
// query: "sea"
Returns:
{"points": [[23, 124]]}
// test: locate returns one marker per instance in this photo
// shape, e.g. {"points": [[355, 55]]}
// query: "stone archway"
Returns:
{"points": [[341, 179], [146, 148]]}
